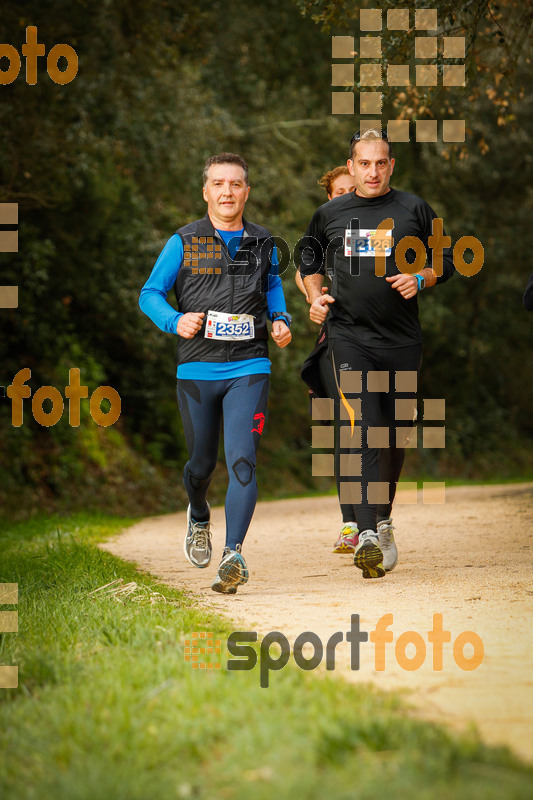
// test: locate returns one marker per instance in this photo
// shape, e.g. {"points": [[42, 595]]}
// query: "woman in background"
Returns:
{"points": [[317, 370]]}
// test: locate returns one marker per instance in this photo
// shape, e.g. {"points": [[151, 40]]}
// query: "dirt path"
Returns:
{"points": [[469, 560]]}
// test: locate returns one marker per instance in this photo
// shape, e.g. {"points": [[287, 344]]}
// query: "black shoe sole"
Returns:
{"points": [[230, 575], [233, 571], [369, 559], [222, 589]]}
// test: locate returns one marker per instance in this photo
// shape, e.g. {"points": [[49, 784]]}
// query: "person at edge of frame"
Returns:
{"points": [[528, 294], [224, 271], [317, 370], [374, 332]]}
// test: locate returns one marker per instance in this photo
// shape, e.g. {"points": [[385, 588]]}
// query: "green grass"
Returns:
{"points": [[108, 709]]}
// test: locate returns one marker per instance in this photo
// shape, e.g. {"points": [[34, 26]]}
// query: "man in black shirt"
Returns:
{"points": [[374, 331]]}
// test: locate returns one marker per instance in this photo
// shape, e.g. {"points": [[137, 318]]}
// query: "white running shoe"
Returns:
{"points": [[197, 544], [368, 555], [387, 544]]}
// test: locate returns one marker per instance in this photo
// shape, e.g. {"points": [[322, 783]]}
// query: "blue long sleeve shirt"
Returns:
{"points": [[153, 302]]}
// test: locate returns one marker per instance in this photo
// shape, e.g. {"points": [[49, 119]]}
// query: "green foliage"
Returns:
{"points": [[104, 170]]}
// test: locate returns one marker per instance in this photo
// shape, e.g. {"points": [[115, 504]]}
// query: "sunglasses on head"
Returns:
{"points": [[357, 135]]}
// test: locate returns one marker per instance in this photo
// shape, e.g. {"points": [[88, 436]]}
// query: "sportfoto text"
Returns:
{"points": [[379, 244], [380, 637]]}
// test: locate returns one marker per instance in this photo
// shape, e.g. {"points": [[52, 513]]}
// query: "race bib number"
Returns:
{"points": [[367, 243], [229, 327]]}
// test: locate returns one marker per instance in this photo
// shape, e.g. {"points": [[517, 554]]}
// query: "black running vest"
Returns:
{"points": [[208, 280]]}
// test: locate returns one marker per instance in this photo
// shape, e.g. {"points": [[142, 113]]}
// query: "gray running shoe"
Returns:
{"points": [[232, 571], [387, 544], [368, 555], [197, 544]]}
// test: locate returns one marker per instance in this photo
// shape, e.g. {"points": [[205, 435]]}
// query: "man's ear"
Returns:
{"points": [[351, 168], [204, 194]]}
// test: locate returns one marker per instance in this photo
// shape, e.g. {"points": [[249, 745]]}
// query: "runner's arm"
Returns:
{"points": [[437, 255], [407, 284], [300, 284], [275, 296], [281, 333], [312, 267], [153, 297]]}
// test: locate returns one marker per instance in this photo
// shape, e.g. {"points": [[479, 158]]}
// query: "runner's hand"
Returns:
{"points": [[407, 285], [281, 333], [320, 308], [189, 324], [325, 290]]}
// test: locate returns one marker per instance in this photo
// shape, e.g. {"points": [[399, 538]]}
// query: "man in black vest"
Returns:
{"points": [[373, 328], [224, 273]]}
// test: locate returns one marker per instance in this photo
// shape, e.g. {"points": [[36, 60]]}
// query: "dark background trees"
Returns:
{"points": [[105, 168]]}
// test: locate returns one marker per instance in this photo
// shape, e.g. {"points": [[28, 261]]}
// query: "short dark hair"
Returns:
{"points": [[368, 135], [226, 158]]}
